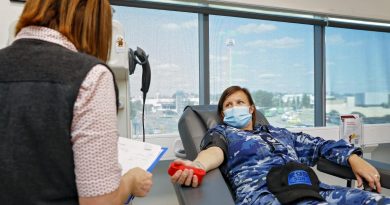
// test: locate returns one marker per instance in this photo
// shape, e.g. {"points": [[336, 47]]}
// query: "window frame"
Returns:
{"points": [[319, 22]]}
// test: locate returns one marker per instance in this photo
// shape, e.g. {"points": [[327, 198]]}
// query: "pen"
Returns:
{"points": [[131, 197]]}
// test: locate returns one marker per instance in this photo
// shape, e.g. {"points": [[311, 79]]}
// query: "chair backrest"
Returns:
{"points": [[196, 121]]}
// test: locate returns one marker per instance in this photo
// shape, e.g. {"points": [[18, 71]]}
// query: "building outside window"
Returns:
{"points": [[358, 75]]}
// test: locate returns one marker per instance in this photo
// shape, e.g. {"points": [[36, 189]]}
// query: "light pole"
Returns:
{"points": [[230, 43]]}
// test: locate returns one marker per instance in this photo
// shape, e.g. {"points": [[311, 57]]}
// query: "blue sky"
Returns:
{"points": [[358, 61], [267, 55], [272, 56]]}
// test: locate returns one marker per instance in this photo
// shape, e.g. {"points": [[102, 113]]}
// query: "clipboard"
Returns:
{"points": [[133, 153]]}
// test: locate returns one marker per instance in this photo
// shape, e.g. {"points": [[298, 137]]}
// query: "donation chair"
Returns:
{"points": [[193, 125]]}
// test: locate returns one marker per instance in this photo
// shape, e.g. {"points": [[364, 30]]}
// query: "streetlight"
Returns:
{"points": [[230, 43]]}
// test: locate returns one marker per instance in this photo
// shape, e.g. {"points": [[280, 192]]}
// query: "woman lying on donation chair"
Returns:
{"points": [[270, 165]]}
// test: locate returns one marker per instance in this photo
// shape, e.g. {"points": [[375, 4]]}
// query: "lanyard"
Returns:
{"points": [[274, 144]]}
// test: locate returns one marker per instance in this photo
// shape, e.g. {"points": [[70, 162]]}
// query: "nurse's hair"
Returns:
{"points": [[229, 91], [86, 23]]}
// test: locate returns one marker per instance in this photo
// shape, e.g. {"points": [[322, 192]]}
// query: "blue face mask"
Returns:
{"points": [[237, 117]]}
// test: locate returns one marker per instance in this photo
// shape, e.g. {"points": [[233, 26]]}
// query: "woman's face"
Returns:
{"points": [[236, 99]]}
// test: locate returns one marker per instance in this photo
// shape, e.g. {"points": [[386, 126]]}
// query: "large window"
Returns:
{"points": [[358, 75], [171, 40], [274, 60]]}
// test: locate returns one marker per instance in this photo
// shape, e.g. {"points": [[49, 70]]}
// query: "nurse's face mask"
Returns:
{"points": [[237, 116]]}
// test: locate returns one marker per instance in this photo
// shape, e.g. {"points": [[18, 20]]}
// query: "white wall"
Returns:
{"points": [[9, 12], [366, 9]]}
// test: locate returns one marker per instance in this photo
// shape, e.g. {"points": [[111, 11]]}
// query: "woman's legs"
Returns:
{"points": [[337, 196], [346, 196]]}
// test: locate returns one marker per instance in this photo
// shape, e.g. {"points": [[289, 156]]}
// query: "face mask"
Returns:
{"points": [[237, 117]]}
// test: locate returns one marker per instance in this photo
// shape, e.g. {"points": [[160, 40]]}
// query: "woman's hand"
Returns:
{"points": [[140, 181], [363, 169], [186, 176], [207, 160]]}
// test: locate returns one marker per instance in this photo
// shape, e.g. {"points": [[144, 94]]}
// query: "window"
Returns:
{"points": [[358, 75], [171, 40], [274, 60]]}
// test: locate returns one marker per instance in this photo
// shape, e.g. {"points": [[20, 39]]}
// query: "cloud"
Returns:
{"points": [[218, 58], [337, 39], [310, 73], [221, 33], [268, 76], [168, 67], [171, 26], [300, 67], [240, 66], [240, 80], [328, 62], [240, 52], [255, 28], [297, 65], [190, 24], [355, 43], [334, 39], [285, 42], [185, 25]]}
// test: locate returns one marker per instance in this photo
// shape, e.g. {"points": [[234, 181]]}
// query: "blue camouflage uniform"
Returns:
{"points": [[249, 155]]}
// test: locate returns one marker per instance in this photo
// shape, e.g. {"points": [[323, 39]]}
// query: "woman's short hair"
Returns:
{"points": [[86, 23], [229, 91]]}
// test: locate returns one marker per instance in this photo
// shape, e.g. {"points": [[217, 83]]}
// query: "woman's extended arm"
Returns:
{"points": [[207, 159], [309, 149]]}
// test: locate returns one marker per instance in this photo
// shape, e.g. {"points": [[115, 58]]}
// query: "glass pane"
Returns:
{"points": [[358, 75], [171, 40], [274, 60]]}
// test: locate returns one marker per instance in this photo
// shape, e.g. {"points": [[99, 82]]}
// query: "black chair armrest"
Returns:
{"points": [[384, 172], [345, 172], [334, 169], [213, 190]]}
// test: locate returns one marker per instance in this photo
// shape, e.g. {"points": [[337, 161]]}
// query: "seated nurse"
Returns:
{"points": [[270, 165]]}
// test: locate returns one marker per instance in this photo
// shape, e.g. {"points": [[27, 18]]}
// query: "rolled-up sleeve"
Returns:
{"points": [[309, 149]]}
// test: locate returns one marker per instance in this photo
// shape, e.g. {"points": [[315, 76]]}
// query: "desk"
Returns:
{"points": [[162, 192]]}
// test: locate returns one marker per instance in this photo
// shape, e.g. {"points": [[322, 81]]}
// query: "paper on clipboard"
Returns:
{"points": [[132, 153]]}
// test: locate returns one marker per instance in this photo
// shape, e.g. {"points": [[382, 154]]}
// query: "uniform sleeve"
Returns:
{"points": [[215, 139], [95, 136], [309, 149]]}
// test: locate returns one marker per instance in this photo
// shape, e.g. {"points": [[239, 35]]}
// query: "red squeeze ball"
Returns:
{"points": [[176, 166]]}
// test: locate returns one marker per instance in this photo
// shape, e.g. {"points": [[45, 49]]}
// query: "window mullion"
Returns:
{"points": [[204, 65], [319, 76]]}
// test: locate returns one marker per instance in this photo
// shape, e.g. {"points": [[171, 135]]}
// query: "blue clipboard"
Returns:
{"points": [[150, 169]]}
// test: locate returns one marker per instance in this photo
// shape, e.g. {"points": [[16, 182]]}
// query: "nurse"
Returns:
{"points": [[58, 109]]}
